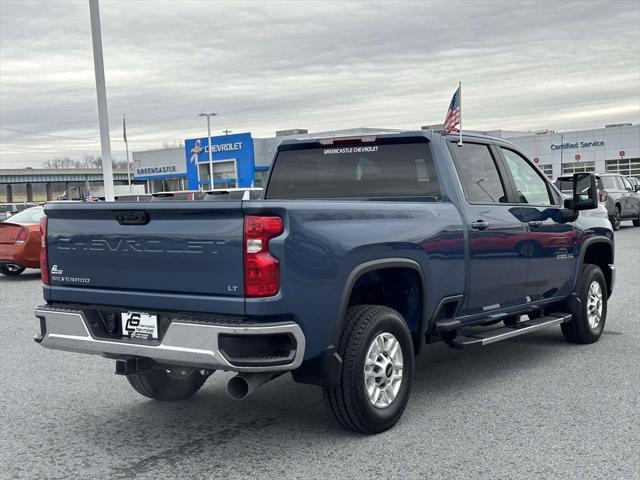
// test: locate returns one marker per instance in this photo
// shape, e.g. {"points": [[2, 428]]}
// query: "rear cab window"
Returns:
{"points": [[399, 169]]}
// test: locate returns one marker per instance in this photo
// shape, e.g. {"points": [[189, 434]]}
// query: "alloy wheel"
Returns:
{"points": [[383, 370]]}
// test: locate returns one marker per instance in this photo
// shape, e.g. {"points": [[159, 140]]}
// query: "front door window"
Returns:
{"points": [[530, 186]]}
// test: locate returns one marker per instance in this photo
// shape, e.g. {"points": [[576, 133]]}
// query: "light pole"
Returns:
{"points": [[209, 115], [103, 116]]}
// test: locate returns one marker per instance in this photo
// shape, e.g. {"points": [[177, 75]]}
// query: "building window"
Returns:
{"points": [[626, 166], [578, 167], [224, 174], [167, 185], [547, 170], [260, 178]]}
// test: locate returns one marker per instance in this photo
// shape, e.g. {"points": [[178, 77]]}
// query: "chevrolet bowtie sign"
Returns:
{"points": [[223, 147]]}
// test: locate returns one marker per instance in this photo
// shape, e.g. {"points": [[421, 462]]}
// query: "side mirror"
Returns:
{"points": [[585, 192]]}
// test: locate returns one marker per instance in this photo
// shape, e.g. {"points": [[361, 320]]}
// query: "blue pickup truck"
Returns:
{"points": [[362, 251]]}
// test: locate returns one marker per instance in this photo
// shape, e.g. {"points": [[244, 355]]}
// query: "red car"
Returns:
{"points": [[20, 241]]}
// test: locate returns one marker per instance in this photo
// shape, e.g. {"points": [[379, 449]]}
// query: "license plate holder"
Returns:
{"points": [[139, 325]]}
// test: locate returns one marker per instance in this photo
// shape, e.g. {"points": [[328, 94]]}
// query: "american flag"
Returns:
{"points": [[452, 120], [88, 197]]}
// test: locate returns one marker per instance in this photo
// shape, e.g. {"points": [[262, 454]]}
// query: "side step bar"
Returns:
{"points": [[487, 337]]}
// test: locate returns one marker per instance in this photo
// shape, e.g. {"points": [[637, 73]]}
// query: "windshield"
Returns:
{"points": [[30, 215], [355, 171]]}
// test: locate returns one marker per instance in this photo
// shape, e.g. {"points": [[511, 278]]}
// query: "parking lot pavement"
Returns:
{"points": [[533, 407]]}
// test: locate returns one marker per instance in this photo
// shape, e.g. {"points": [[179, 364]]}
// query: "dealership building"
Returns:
{"points": [[239, 160], [612, 149]]}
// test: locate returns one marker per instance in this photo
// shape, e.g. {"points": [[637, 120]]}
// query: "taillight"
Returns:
{"points": [[603, 195], [22, 235], [44, 256], [261, 269]]}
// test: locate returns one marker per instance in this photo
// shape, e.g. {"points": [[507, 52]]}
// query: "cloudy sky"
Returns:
{"points": [[271, 65]]}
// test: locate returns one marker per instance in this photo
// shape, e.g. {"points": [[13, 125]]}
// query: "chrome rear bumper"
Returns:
{"points": [[184, 343]]}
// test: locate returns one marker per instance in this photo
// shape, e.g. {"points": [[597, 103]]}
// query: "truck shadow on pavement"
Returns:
{"points": [[285, 413]]}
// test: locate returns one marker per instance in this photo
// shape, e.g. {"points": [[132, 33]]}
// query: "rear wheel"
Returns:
{"points": [[377, 370], [616, 218], [589, 313], [168, 383], [10, 269]]}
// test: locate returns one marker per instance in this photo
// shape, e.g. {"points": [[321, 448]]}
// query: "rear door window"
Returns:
{"points": [[626, 185], [478, 173], [385, 170], [609, 183]]}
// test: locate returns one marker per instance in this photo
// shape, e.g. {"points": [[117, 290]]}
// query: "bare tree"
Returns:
{"points": [[88, 161]]}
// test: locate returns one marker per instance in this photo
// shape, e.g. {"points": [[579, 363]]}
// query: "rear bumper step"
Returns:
{"points": [[184, 343], [487, 337]]}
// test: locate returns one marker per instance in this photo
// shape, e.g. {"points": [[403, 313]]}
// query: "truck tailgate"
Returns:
{"points": [[164, 248]]}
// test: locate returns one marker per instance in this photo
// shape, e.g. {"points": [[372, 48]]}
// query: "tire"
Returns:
{"points": [[10, 269], [615, 219], [167, 384], [580, 329], [367, 328], [636, 222]]}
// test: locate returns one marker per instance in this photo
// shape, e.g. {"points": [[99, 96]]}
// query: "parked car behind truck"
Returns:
{"points": [[20, 241], [361, 251], [616, 193]]}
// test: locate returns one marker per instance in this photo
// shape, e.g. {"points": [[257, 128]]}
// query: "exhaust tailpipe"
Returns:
{"points": [[244, 384]]}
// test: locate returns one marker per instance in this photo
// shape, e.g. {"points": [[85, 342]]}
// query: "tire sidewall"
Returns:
{"points": [[581, 317], [615, 219], [4, 270], [384, 418]]}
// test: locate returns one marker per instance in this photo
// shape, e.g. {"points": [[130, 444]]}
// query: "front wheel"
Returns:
{"points": [[589, 313], [616, 218], [10, 269], [168, 383], [377, 370]]}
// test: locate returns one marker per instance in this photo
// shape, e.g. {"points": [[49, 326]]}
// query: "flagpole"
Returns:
{"points": [[460, 105], [126, 147]]}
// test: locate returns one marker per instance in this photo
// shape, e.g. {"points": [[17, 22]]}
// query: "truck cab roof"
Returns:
{"points": [[372, 137]]}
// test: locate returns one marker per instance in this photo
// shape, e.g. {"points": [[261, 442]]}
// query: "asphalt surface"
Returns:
{"points": [[532, 407]]}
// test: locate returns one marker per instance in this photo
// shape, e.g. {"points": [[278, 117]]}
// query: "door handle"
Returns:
{"points": [[535, 223], [479, 225]]}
